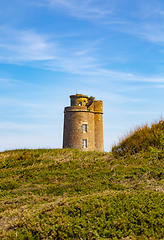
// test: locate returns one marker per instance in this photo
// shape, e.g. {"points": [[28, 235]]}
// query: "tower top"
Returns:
{"points": [[79, 100], [78, 95]]}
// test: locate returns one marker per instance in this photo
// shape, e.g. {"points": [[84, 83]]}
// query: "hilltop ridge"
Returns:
{"points": [[142, 138]]}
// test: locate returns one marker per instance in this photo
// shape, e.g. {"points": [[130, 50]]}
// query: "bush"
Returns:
{"points": [[145, 138]]}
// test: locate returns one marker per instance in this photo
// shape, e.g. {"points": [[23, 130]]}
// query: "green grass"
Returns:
{"points": [[144, 138], [69, 194]]}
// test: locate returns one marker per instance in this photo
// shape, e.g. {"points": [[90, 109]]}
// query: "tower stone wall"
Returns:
{"points": [[83, 124], [98, 119]]}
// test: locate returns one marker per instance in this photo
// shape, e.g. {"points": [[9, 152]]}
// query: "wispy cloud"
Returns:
{"points": [[150, 31], [89, 9], [119, 98], [24, 45], [144, 19], [20, 47], [5, 83], [124, 76], [153, 33], [29, 47]]}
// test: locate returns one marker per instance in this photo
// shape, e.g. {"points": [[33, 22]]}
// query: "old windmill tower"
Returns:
{"points": [[83, 124]]}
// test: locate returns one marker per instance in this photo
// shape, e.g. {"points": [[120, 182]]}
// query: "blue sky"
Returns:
{"points": [[49, 49]]}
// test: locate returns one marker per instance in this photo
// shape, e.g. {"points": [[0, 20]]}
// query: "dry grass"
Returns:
{"points": [[142, 138]]}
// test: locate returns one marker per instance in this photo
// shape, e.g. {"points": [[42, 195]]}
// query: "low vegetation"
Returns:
{"points": [[144, 138], [69, 194]]}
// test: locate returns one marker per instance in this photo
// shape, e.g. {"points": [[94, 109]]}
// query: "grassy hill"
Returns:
{"points": [[69, 194], [144, 138]]}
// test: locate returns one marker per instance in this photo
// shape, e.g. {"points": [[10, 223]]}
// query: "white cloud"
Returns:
{"points": [[123, 76], [144, 19], [5, 83], [89, 9], [21, 45], [26, 47], [29, 47], [108, 96], [153, 33], [145, 22]]}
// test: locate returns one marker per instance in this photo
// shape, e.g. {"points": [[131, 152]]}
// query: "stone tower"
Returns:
{"points": [[83, 124]]}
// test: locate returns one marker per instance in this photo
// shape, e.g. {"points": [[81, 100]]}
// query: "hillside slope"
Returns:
{"points": [[69, 194], [144, 138]]}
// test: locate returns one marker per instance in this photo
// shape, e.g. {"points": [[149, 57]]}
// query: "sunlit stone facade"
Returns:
{"points": [[83, 124]]}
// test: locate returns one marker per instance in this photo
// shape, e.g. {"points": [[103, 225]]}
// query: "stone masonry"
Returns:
{"points": [[83, 124]]}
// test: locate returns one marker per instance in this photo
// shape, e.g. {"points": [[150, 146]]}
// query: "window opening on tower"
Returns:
{"points": [[84, 143], [84, 128]]}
